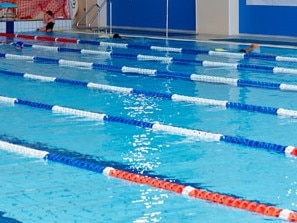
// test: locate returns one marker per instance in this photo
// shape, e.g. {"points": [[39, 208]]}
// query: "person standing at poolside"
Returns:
{"points": [[49, 20]]}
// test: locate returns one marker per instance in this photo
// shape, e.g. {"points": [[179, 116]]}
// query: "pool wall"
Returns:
{"points": [[267, 19], [32, 25], [227, 17]]}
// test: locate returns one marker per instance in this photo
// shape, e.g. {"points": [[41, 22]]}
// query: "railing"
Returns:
{"points": [[8, 10], [97, 8]]}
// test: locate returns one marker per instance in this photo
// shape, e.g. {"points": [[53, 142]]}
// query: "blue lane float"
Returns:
{"points": [[162, 74], [194, 133], [164, 96]]}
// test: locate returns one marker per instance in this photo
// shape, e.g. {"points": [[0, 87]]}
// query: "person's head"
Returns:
{"points": [[254, 45], [116, 36], [256, 48], [50, 13]]}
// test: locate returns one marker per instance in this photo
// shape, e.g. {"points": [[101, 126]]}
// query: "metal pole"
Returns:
{"points": [[110, 17], [167, 17]]}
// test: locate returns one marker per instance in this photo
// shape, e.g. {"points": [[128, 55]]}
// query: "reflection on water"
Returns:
{"points": [[144, 157], [150, 201], [141, 155]]}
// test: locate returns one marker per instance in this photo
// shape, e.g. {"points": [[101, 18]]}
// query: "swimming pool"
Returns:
{"points": [[141, 110]]}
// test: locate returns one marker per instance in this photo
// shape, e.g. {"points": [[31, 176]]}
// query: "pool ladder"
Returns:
{"points": [[97, 8]]}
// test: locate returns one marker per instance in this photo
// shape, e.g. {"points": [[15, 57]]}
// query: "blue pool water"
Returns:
{"points": [[36, 190]]}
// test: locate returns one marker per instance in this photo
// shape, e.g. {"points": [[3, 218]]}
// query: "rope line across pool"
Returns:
{"points": [[205, 63], [193, 77], [166, 96], [156, 48], [183, 189], [153, 72], [256, 207], [156, 126], [164, 59]]}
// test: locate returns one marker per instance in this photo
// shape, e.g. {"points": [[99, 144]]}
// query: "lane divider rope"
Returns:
{"points": [[166, 96], [203, 63], [156, 126], [155, 48], [153, 72], [171, 186], [163, 59]]}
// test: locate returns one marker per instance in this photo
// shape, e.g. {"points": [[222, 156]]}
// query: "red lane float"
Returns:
{"points": [[11, 35], [40, 38], [294, 152], [21, 36], [45, 38], [66, 40], [214, 197]]}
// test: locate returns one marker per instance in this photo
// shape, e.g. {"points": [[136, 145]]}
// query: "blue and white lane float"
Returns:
{"points": [[194, 51], [156, 126], [166, 59], [166, 96], [146, 71], [192, 77], [252, 55], [162, 74], [174, 186], [154, 48]]}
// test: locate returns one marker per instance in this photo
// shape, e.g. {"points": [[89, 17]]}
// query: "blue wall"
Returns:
{"points": [[152, 14], [267, 20]]}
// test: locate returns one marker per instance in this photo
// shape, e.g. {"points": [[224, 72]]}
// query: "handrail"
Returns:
{"points": [[89, 10], [78, 24]]}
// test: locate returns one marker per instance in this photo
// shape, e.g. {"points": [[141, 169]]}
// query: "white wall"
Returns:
{"points": [[218, 17], [103, 15], [25, 26]]}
